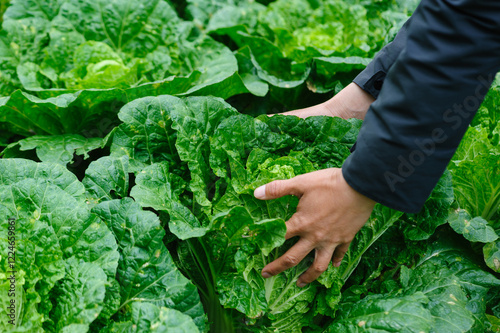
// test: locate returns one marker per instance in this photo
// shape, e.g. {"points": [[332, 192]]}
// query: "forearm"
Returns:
{"points": [[354, 100], [350, 102]]}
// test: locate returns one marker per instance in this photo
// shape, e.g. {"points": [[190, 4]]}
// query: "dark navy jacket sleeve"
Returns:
{"points": [[372, 77], [428, 99]]}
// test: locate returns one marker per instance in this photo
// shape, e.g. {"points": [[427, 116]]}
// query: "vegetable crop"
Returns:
{"points": [[133, 135]]}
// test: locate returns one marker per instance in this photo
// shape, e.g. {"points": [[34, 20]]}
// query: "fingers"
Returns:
{"points": [[320, 264], [277, 189], [298, 252], [290, 259], [339, 253], [293, 227]]}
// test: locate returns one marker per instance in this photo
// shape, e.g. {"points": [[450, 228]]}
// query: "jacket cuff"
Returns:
{"points": [[372, 84]]}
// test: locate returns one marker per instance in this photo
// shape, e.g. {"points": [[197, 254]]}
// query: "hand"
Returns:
{"points": [[329, 215], [350, 102]]}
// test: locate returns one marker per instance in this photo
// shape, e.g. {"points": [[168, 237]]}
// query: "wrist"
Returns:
{"points": [[350, 102], [363, 201]]}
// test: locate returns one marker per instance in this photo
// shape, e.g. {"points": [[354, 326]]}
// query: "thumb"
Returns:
{"points": [[277, 189]]}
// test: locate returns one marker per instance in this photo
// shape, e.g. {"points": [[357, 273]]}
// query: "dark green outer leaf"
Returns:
{"points": [[422, 225], [271, 65], [327, 68], [173, 321], [55, 149], [145, 136], [384, 314], [148, 318], [15, 170], [474, 229], [73, 310], [107, 178], [38, 8], [492, 255], [68, 113], [452, 256], [146, 271]]}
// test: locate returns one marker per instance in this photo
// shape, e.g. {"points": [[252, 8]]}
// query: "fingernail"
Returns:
{"points": [[260, 192], [301, 284], [337, 264], [266, 275]]}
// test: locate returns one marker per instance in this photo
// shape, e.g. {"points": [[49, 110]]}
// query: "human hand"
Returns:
{"points": [[350, 102], [329, 215]]}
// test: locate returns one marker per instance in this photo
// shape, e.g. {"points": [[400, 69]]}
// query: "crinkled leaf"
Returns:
{"points": [[474, 229], [96, 244], [146, 271], [156, 187], [492, 255], [171, 320], [146, 135], [26, 316], [236, 136], [38, 266], [79, 296], [40, 200], [385, 314], [15, 170], [477, 186], [448, 259], [107, 178], [270, 63], [79, 234], [202, 10], [147, 317], [422, 225], [474, 143], [111, 302], [238, 226], [195, 120]]}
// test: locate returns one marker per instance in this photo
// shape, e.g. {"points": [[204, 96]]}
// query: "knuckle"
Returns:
{"points": [[274, 188], [318, 236], [290, 261], [347, 241], [341, 240], [320, 268], [296, 223]]}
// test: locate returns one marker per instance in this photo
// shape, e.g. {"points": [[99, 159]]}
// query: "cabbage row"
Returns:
{"points": [[133, 135]]}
